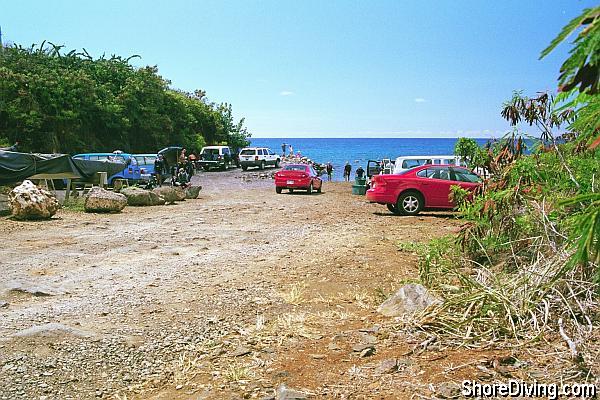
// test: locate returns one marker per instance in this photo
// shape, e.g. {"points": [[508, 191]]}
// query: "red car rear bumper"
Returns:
{"points": [[301, 183], [379, 195]]}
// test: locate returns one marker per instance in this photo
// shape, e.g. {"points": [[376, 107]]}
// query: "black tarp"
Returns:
{"points": [[88, 168], [15, 167], [171, 155]]}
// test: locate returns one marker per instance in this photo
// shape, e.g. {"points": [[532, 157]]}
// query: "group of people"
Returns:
{"points": [[360, 172], [285, 146], [181, 173]]}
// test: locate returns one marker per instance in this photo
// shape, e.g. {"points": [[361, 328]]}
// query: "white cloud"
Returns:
{"points": [[420, 100], [286, 93]]}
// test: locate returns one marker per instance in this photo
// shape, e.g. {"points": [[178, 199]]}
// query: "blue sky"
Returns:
{"points": [[325, 68]]}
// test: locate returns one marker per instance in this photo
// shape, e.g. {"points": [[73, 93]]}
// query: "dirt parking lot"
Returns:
{"points": [[226, 296]]}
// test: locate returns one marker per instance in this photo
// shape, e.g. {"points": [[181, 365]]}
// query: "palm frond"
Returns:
{"points": [[569, 28]]}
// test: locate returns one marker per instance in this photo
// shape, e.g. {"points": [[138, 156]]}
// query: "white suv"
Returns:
{"points": [[258, 157]]}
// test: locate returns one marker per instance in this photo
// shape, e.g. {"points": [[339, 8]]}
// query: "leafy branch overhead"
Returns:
{"points": [[582, 68]]}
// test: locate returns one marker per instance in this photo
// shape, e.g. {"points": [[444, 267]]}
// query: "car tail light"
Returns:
{"points": [[377, 181], [130, 171], [142, 171], [218, 158], [255, 158]]}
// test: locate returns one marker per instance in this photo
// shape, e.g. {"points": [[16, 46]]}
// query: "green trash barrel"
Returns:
{"points": [[359, 187]]}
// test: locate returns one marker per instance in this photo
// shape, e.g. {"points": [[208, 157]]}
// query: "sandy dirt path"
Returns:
{"points": [[226, 296]]}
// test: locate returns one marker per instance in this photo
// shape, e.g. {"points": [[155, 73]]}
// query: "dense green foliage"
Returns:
{"points": [[527, 257], [54, 102]]}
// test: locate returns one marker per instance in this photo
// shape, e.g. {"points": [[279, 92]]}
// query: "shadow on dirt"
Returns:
{"points": [[425, 214]]}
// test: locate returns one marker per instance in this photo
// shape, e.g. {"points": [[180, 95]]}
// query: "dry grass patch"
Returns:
{"points": [[238, 373], [295, 294]]}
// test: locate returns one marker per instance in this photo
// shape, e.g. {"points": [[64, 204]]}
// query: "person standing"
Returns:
{"points": [[329, 169], [192, 159], [283, 147], [158, 169], [347, 171], [189, 169], [291, 150], [360, 172]]}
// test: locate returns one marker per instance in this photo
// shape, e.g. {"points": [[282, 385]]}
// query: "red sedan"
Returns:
{"points": [[426, 186], [298, 176]]}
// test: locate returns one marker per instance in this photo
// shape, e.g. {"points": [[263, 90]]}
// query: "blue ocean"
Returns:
{"points": [[358, 151]]}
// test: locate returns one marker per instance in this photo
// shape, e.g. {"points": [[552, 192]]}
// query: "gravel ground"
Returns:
{"points": [[229, 295]]}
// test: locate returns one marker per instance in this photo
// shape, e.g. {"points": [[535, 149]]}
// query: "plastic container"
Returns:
{"points": [[360, 181]]}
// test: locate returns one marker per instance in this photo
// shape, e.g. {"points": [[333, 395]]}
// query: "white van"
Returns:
{"points": [[408, 162]]}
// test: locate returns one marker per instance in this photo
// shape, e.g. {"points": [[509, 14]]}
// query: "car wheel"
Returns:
{"points": [[262, 165], [278, 190], [277, 163], [244, 168], [310, 189], [392, 208], [319, 189], [409, 203], [291, 190], [206, 168]]}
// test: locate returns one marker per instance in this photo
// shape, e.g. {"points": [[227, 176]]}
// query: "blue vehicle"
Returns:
{"points": [[146, 164], [132, 173]]}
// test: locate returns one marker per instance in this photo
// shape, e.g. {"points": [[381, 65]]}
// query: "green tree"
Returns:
{"points": [[52, 101], [466, 148]]}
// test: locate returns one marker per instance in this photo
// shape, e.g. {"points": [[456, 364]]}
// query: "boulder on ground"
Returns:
{"points": [[180, 193], [408, 299], [102, 201], [141, 197], [27, 201], [192, 192], [168, 193], [284, 393]]}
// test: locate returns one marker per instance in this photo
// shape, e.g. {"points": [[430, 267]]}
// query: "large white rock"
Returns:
{"points": [[409, 299], [101, 200], [28, 201]]}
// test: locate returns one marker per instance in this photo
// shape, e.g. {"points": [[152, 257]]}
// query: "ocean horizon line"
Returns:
{"points": [[367, 137]]}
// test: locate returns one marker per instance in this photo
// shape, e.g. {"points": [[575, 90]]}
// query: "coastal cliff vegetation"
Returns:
{"points": [[524, 267], [68, 102]]}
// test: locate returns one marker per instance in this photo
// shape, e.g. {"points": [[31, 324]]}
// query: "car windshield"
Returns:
{"points": [[145, 160], [114, 158], [248, 152], [210, 151], [295, 168]]}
